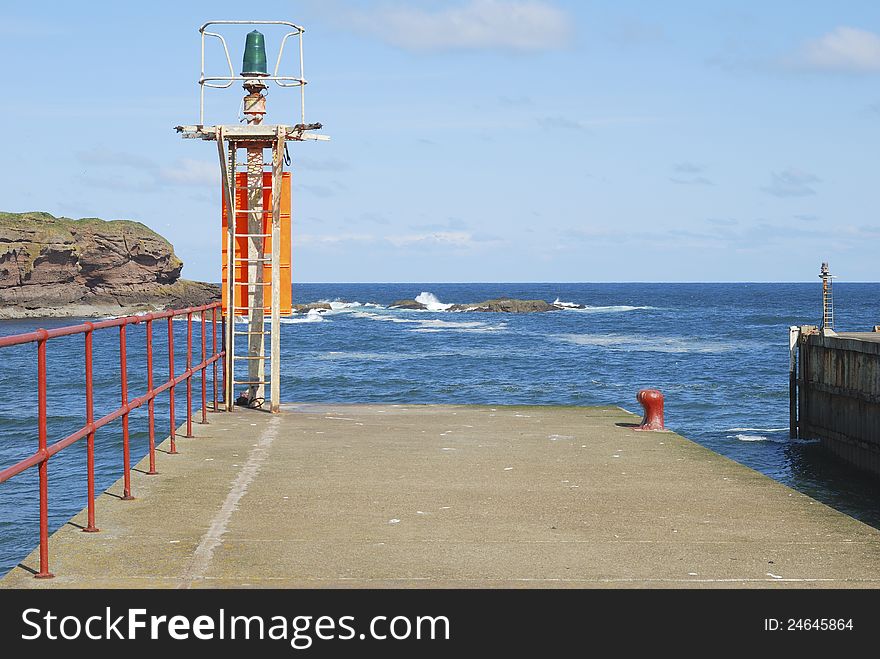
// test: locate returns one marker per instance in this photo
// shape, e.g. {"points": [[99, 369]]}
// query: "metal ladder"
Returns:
{"points": [[246, 353], [828, 305], [827, 297]]}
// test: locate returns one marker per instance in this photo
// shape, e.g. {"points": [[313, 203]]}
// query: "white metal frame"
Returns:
{"points": [[227, 81]]}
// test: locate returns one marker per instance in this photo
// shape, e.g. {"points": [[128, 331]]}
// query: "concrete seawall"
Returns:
{"points": [[839, 395], [446, 496]]}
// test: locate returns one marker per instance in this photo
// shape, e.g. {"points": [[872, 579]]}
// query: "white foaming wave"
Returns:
{"points": [[406, 355], [383, 318], [433, 325], [343, 305], [634, 343], [617, 308], [782, 439], [609, 309], [339, 305], [313, 316], [432, 302], [487, 329], [751, 438], [364, 356], [755, 429], [447, 324]]}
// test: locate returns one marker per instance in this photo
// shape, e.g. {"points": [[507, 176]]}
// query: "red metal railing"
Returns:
{"points": [[45, 451]]}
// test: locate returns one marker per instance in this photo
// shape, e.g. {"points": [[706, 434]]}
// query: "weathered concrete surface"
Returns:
{"points": [[839, 395], [873, 337], [437, 496]]}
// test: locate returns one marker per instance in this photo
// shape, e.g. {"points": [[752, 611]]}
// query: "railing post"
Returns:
{"points": [[44, 465], [214, 352], [189, 389], [173, 432], [90, 438], [224, 330], [151, 401], [204, 369], [126, 451]]}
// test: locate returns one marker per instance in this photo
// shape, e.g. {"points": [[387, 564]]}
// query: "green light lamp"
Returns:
{"points": [[254, 63]]}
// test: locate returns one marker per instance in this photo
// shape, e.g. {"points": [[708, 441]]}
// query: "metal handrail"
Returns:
{"points": [[281, 81], [45, 451]]}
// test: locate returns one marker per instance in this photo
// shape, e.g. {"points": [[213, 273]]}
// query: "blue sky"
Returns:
{"points": [[479, 140]]}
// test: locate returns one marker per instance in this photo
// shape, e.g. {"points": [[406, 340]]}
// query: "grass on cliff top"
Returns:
{"points": [[46, 222]]}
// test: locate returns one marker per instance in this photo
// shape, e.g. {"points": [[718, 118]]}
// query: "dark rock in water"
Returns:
{"points": [[409, 304], [318, 306], [53, 266], [507, 305]]}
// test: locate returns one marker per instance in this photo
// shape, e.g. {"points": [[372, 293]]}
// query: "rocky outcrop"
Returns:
{"points": [[507, 305], [312, 306], [411, 305], [51, 266]]}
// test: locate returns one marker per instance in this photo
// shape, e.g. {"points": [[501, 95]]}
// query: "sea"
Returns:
{"points": [[718, 352]]}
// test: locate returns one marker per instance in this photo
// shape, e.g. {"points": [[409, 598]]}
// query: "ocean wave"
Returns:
{"points": [[383, 318], [432, 302], [338, 305], [755, 429], [751, 438], [779, 439], [367, 356], [618, 308], [448, 324], [488, 329], [635, 343], [313, 316], [434, 325], [623, 308]]}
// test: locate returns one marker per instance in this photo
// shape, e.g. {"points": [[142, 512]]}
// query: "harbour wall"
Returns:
{"points": [[838, 395]]}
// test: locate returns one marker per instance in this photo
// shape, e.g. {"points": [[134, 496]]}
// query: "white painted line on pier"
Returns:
{"points": [[213, 538]]}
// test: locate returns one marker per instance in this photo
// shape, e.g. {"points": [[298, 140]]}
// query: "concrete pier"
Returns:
{"points": [[444, 496], [838, 395]]}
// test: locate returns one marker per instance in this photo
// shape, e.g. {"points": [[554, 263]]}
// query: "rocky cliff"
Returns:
{"points": [[55, 266]]}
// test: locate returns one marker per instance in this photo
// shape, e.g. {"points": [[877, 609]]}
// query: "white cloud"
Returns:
{"points": [[686, 167], [332, 239], [455, 239], [446, 238], [103, 157], [842, 49], [519, 25], [560, 122], [792, 183], [187, 171]]}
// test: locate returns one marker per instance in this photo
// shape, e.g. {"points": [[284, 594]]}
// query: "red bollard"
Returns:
{"points": [[652, 401]]}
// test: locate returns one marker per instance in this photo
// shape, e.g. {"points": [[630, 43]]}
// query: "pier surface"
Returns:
{"points": [[444, 496], [871, 337]]}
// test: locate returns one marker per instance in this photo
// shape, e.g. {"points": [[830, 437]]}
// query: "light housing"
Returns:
{"points": [[254, 61]]}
